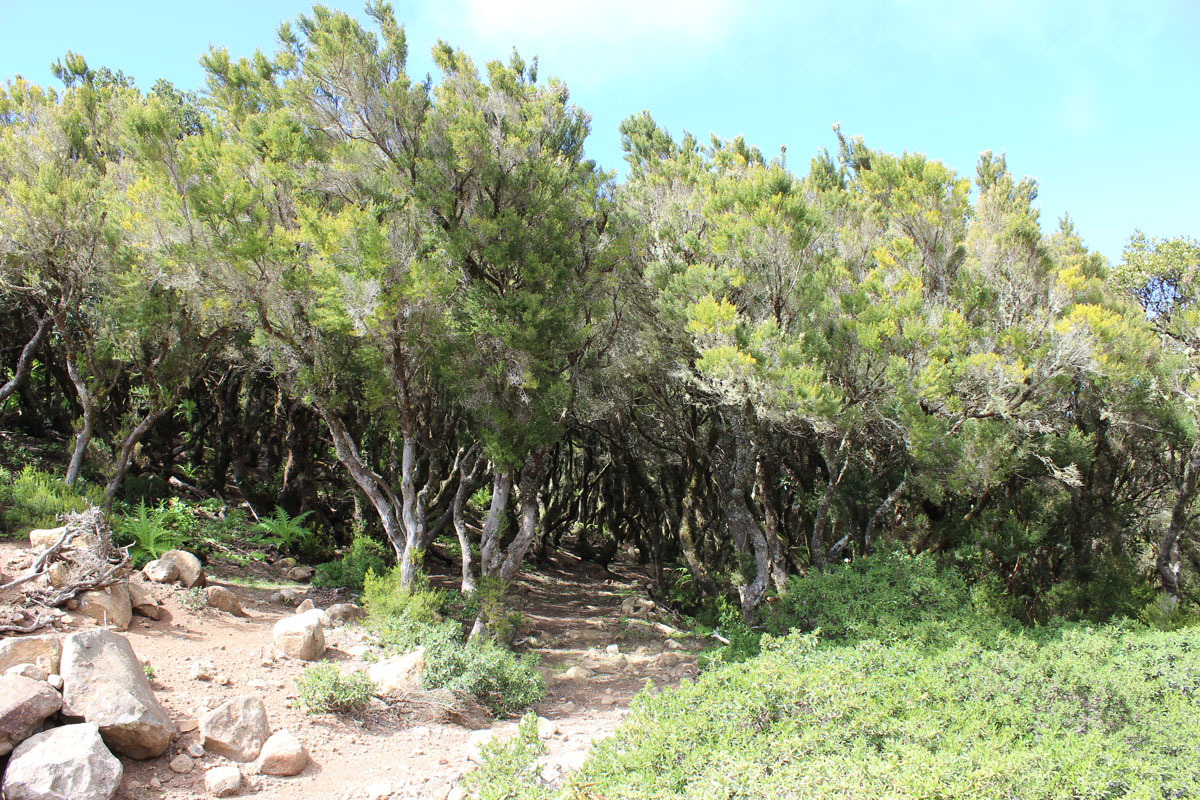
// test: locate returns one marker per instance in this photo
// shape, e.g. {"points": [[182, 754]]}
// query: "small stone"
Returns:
{"points": [[612, 649], [299, 574], [300, 637], [222, 781], [546, 728], [31, 671], [188, 725], [457, 793], [55, 681], [674, 644], [194, 749], [568, 707], [161, 571], [378, 791], [607, 700], [181, 764], [345, 613], [222, 599], [398, 673], [201, 670], [257, 684], [282, 754], [577, 673], [236, 729], [307, 605], [277, 599]]}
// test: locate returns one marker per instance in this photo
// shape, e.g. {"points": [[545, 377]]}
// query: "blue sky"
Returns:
{"points": [[1096, 100]]}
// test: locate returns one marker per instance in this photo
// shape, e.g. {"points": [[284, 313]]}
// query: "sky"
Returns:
{"points": [[1096, 100]]}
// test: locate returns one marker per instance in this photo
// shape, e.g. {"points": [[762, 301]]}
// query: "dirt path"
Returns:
{"points": [[574, 618]]}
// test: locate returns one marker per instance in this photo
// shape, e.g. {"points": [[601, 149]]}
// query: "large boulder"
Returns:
{"points": [[282, 754], [222, 599], [43, 651], [108, 606], [67, 763], [399, 673], [105, 684], [41, 538], [24, 704], [143, 601], [191, 571], [161, 571], [300, 636], [236, 729]]}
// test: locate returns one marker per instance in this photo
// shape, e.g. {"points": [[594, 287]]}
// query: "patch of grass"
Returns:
{"points": [[34, 499], [325, 689]]}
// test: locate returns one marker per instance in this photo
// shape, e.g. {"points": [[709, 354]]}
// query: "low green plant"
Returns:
{"points": [[146, 533], [509, 766], [364, 555], [288, 533], [35, 499], [325, 689], [384, 598], [148, 671]]}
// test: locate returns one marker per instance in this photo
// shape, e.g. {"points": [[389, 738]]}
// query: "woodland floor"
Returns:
{"points": [[572, 612]]}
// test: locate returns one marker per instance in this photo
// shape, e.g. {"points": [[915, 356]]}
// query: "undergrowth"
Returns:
{"points": [[325, 689]]}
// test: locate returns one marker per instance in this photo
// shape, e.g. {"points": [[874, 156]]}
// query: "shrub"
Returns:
{"points": [[324, 689], [364, 555], [384, 598], [35, 499], [509, 767]]}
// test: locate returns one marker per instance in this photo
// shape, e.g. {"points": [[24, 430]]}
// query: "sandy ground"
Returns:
{"points": [[572, 614]]}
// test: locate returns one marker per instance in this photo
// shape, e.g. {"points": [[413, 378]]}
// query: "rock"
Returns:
{"points": [[300, 637], [398, 673], [31, 671], [576, 673], [67, 763], [546, 728], [236, 729], [161, 571], [222, 599], [636, 605], [292, 595], [24, 704], [345, 613], [320, 616], [673, 644], [613, 649], [668, 659], [608, 700], [202, 670], [377, 791], [108, 606], [58, 574], [143, 601], [181, 764], [222, 781], [191, 571], [41, 538], [307, 605], [105, 684], [55, 681], [457, 793], [299, 574], [572, 761], [43, 651], [282, 754]]}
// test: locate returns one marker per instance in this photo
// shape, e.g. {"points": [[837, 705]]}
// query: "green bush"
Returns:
{"points": [[324, 689], [35, 499], [364, 555], [1068, 712], [509, 767], [408, 618]]}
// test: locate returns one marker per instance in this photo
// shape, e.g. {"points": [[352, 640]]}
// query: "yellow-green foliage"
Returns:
{"points": [[323, 689], [35, 499]]}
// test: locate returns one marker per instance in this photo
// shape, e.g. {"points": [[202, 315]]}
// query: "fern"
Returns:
{"points": [[286, 532], [146, 534]]}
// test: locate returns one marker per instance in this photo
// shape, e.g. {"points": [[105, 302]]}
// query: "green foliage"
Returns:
{"points": [[405, 619], [288, 534], [883, 597], [325, 689], [148, 671], [509, 767], [364, 555], [146, 532], [35, 499], [384, 598]]}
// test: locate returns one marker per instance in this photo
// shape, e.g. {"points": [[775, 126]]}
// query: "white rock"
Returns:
{"points": [[300, 636], [282, 754], [345, 613], [161, 571], [24, 704], [108, 606], [612, 649], [181, 764], [202, 670], [31, 671], [41, 538], [66, 763], [222, 781], [398, 673], [236, 729], [45, 651], [307, 605], [191, 571], [105, 684], [320, 616], [576, 673]]}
